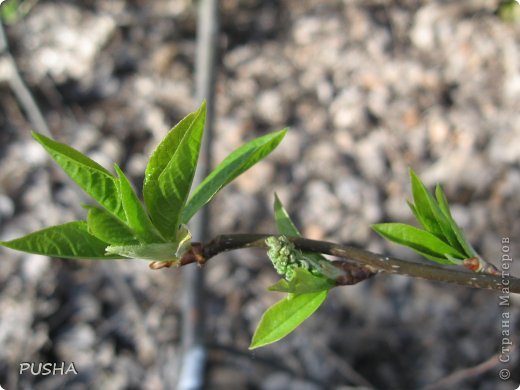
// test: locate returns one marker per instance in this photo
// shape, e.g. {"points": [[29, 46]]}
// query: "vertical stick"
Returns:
{"points": [[20, 90], [194, 359]]}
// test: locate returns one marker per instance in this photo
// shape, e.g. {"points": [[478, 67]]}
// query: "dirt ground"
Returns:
{"points": [[367, 88]]}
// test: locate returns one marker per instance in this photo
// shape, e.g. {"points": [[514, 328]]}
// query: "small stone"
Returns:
{"points": [[504, 147], [6, 207], [345, 110], [58, 46], [256, 178], [34, 267], [370, 154], [76, 344], [271, 107], [349, 192], [322, 208]]}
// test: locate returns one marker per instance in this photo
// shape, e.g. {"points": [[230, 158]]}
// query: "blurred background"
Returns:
{"points": [[368, 89]]}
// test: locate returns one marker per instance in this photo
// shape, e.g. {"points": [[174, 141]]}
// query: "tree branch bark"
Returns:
{"points": [[368, 262]]}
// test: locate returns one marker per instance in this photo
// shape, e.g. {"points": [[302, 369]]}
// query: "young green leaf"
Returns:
{"points": [[302, 282], [89, 175], [183, 240], [285, 316], [169, 251], [414, 210], [232, 166], [447, 259], [283, 221], [170, 172], [443, 204], [423, 209], [442, 201], [108, 228], [416, 239], [158, 252], [70, 240], [306, 291], [138, 219], [450, 234], [430, 214]]}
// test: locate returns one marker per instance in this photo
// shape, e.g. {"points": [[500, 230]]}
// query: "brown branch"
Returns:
{"points": [[456, 377], [369, 263]]}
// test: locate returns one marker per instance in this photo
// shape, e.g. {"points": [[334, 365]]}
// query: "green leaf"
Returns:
{"points": [[431, 216], [423, 209], [158, 252], [70, 240], [440, 260], [414, 210], [443, 202], [11, 11], [447, 259], [302, 282], [285, 316], [232, 166], [168, 251], [459, 234], [416, 239], [108, 228], [284, 223], [170, 172], [136, 216], [89, 175]]}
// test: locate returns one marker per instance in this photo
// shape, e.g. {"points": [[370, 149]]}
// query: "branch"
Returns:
{"points": [[456, 377], [366, 263], [22, 93]]}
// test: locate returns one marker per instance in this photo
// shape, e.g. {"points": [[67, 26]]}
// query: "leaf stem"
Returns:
{"points": [[368, 262]]}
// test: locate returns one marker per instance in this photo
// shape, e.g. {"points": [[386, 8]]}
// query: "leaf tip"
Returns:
{"points": [[202, 107], [40, 138], [118, 170], [277, 201], [257, 342], [376, 226]]}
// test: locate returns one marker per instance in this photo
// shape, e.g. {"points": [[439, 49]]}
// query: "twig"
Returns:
{"points": [[344, 368], [454, 378], [257, 359], [369, 261], [22, 93], [145, 342]]}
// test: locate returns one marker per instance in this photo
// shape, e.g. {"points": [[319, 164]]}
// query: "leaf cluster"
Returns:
{"points": [[121, 225], [441, 240], [305, 283]]}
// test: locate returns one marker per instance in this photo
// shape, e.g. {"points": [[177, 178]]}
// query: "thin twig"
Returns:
{"points": [[343, 367], [146, 344], [373, 262], [22, 93], [254, 360], [456, 377]]}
